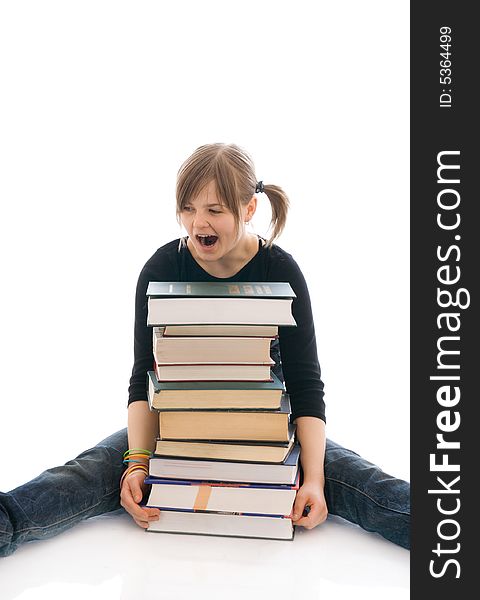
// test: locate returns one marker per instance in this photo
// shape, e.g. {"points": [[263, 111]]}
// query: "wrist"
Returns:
{"points": [[136, 456], [317, 478], [134, 469]]}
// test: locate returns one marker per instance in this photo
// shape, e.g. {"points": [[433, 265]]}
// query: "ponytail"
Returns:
{"points": [[279, 204]]}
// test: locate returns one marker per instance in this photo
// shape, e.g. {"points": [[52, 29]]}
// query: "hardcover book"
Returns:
{"points": [[195, 303], [223, 524], [249, 424], [227, 471], [212, 349], [214, 372], [270, 331], [178, 494], [220, 289], [247, 451], [215, 395]]}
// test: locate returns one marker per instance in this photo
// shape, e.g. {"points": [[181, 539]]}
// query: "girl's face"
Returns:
{"points": [[211, 226]]}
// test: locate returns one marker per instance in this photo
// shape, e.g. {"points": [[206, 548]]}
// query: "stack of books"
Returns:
{"points": [[226, 461]]}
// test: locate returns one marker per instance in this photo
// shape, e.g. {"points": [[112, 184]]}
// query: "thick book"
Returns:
{"points": [[223, 524], [215, 395], [247, 451], [208, 303], [214, 372], [270, 331], [284, 473], [253, 498], [249, 424], [213, 349], [220, 289]]}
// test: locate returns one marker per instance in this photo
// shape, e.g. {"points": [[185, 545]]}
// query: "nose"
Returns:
{"points": [[200, 220]]}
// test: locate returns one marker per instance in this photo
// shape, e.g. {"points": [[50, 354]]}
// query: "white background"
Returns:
{"points": [[100, 104]]}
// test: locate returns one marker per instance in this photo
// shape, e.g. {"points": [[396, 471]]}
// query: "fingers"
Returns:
{"points": [[130, 495], [315, 516], [309, 512], [143, 517], [145, 523], [299, 506]]}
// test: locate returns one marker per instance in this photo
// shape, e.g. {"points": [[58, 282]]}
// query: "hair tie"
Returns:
{"points": [[259, 187]]}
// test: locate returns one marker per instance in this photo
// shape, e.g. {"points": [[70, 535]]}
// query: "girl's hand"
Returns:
{"points": [[133, 488], [310, 494]]}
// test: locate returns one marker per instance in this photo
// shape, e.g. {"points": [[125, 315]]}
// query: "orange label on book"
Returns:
{"points": [[203, 496]]}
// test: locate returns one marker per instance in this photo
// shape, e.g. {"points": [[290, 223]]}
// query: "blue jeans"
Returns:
{"points": [[88, 486]]}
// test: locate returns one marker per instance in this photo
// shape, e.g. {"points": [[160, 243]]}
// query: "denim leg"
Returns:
{"points": [[362, 493], [60, 497]]}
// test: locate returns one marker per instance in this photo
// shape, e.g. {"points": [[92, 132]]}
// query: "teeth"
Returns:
{"points": [[207, 239]]}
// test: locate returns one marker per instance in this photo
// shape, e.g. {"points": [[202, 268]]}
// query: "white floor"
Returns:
{"points": [[110, 558]]}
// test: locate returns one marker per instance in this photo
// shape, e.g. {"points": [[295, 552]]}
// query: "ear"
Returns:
{"points": [[250, 208]]}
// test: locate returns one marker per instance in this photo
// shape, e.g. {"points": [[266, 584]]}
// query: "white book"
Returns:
{"points": [[225, 311], [204, 523], [220, 303], [222, 497]]}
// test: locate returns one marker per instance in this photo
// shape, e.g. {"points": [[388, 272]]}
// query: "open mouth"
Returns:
{"points": [[207, 240]]}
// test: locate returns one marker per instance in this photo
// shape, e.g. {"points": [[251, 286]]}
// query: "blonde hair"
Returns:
{"points": [[233, 172]]}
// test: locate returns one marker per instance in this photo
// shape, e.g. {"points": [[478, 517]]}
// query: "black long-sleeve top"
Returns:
{"points": [[296, 361]]}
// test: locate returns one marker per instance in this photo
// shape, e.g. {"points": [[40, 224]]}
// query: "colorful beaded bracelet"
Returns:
{"points": [[131, 469]]}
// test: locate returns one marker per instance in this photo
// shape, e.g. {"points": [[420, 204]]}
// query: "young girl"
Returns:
{"points": [[216, 198]]}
